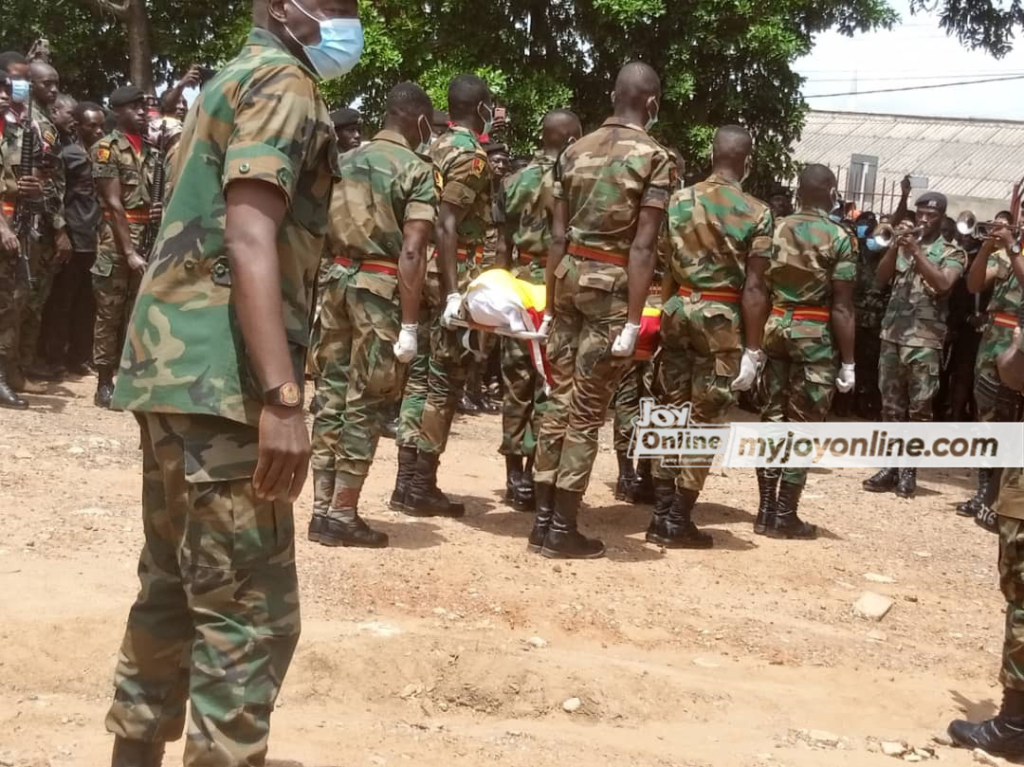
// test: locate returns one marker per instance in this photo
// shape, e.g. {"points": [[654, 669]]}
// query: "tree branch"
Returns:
{"points": [[117, 9]]}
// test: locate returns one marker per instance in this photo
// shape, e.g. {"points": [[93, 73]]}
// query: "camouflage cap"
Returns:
{"points": [[932, 201], [125, 95]]}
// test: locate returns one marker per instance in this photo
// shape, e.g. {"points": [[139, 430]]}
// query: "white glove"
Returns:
{"points": [[545, 325], [846, 378], [406, 347], [750, 365], [452, 309], [625, 343]]}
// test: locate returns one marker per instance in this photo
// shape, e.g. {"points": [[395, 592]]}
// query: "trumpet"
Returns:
{"points": [[886, 234], [969, 226]]}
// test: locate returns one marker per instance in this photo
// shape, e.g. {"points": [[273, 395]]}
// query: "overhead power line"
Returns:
{"points": [[915, 87]]}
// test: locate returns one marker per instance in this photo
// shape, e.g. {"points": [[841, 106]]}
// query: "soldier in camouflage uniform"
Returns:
{"points": [[524, 208], [1004, 733], [992, 269], [870, 300], [811, 281], [13, 286], [382, 217], [612, 187], [212, 368], [123, 165], [54, 246], [464, 214], [922, 273], [721, 245]]}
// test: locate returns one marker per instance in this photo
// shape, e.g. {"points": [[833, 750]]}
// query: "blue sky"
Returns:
{"points": [[915, 52]]}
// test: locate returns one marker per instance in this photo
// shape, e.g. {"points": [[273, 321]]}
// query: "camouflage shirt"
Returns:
{"points": [[465, 180], [527, 201], [113, 157], [383, 185], [810, 252], [10, 157], [52, 166], [916, 316], [606, 177], [1006, 293], [261, 118], [869, 300], [715, 228]]}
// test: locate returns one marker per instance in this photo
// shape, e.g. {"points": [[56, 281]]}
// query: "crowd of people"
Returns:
{"points": [[173, 252]]}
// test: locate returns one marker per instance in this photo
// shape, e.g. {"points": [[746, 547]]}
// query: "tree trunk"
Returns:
{"points": [[140, 46]]}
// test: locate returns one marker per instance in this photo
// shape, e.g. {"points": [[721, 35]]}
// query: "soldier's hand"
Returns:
{"points": [[625, 342], [905, 185], [136, 262], [63, 243], [30, 186], [406, 346], [452, 309], [193, 78], [750, 365], [847, 378], [283, 454], [9, 240], [545, 325], [1010, 364]]}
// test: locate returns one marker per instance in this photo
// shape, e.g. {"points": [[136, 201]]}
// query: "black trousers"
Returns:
{"points": [[68, 317]]}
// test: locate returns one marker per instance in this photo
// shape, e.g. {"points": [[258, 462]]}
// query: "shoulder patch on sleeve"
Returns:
{"points": [[438, 179], [479, 165], [103, 153]]}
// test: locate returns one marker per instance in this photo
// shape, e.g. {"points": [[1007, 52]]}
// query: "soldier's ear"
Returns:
{"points": [[275, 10]]}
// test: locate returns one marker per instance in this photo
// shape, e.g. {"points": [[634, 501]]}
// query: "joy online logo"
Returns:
{"points": [[665, 432]]}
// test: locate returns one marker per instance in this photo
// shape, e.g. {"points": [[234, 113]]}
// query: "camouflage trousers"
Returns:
{"points": [[800, 376], [13, 292], [115, 296], [591, 308], [43, 263], [437, 379], [358, 374], [1010, 508], [994, 341], [636, 384], [908, 378], [700, 356], [216, 620], [524, 399]]}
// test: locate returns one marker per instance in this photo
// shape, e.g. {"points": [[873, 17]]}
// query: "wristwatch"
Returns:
{"points": [[286, 395], [1015, 249]]}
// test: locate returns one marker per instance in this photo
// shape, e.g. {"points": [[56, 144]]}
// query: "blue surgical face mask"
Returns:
{"points": [[340, 46], [489, 119], [862, 230], [873, 245], [20, 91]]}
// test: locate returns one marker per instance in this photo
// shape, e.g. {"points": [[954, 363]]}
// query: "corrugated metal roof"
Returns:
{"points": [[969, 158]]}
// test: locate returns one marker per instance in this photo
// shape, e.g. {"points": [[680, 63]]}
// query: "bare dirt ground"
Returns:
{"points": [[422, 654]]}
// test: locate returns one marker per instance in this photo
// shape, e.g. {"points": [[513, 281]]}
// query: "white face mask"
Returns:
{"points": [[652, 119], [425, 143], [340, 46]]}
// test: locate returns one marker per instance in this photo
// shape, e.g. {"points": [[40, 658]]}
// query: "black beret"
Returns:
{"points": [[125, 95], [342, 118], [933, 201]]}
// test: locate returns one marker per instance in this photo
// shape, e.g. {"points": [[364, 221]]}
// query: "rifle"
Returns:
{"points": [[27, 211], [157, 195]]}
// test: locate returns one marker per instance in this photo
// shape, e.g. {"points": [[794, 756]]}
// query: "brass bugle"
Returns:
{"points": [[969, 226], [886, 234]]}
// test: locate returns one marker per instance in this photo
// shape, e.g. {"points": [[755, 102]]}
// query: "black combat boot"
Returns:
{"points": [[970, 507], [986, 516], [643, 487], [523, 495], [513, 476], [544, 496], [678, 531], [8, 398], [664, 494], [344, 527], [1003, 734], [767, 487], [136, 753], [785, 523], [424, 499], [406, 468], [906, 485], [882, 482], [564, 540], [323, 492], [627, 477], [105, 386]]}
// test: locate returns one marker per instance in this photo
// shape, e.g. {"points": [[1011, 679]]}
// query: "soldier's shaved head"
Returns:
{"points": [[817, 187], [465, 94], [558, 128], [45, 82], [41, 70], [408, 111], [730, 152], [636, 83]]}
